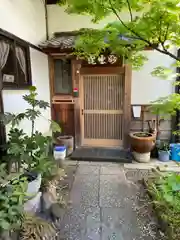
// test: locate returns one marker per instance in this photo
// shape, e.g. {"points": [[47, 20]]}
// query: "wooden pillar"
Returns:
{"points": [[127, 104], [76, 65]]}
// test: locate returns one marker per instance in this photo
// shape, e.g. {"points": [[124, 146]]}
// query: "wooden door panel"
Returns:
{"points": [[102, 120]]}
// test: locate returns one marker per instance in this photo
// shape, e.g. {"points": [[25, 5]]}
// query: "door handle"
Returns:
{"points": [[82, 111]]}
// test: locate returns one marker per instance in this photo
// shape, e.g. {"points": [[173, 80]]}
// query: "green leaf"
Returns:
{"points": [[54, 126], [156, 26], [32, 89], [4, 225]]}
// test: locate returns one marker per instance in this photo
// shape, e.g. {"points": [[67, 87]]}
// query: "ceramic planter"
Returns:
{"points": [[163, 156], [142, 142]]}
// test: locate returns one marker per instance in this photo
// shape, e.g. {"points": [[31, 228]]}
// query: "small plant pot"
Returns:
{"points": [[163, 156]]}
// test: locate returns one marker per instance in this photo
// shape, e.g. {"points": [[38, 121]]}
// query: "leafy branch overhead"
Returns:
{"points": [[148, 23], [139, 24]]}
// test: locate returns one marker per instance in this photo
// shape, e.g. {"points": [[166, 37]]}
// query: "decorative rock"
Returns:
{"points": [[56, 210], [49, 197]]}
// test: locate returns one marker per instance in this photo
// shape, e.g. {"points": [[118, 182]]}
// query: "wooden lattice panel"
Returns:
{"points": [[103, 109]]}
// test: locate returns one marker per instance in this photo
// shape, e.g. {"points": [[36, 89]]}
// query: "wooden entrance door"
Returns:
{"points": [[102, 109]]}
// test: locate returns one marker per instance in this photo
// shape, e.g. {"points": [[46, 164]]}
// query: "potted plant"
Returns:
{"points": [[14, 222], [28, 151], [164, 152], [141, 145]]}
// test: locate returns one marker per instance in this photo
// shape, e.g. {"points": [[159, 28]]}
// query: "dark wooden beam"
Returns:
{"points": [[52, 1]]}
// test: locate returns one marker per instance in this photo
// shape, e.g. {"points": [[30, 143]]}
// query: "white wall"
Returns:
{"points": [[13, 101], [145, 88], [25, 19], [60, 21]]}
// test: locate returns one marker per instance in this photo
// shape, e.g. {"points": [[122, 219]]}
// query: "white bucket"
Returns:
{"points": [[59, 153]]}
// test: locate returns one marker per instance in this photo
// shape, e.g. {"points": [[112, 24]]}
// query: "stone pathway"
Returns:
{"points": [[108, 203]]}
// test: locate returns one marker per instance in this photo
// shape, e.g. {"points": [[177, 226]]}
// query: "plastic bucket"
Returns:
{"points": [[175, 151], [60, 153]]}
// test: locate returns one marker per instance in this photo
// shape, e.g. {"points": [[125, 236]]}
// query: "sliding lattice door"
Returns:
{"points": [[102, 110]]}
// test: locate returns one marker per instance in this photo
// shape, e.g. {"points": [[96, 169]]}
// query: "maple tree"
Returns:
{"points": [[148, 23]]}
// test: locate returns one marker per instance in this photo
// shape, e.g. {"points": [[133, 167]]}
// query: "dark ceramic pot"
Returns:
{"points": [[142, 142]]}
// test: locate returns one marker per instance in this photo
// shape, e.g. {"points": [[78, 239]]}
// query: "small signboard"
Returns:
{"points": [[8, 78]]}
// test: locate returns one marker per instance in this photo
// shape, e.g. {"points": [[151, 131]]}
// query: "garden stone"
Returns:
{"points": [[49, 197], [56, 210]]}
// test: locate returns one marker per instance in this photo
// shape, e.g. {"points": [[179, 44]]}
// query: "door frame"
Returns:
{"points": [[2, 127], [127, 71]]}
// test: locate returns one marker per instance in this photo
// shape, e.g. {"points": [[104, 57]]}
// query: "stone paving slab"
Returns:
{"points": [[137, 175], [171, 166], [111, 170], [108, 203], [97, 163], [81, 223], [114, 190], [90, 169], [85, 190]]}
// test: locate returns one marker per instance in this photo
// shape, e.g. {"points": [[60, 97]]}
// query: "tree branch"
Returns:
{"points": [[166, 33], [164, 51], [130, 11]]}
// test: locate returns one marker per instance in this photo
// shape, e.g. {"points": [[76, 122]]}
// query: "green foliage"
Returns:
{"points": [[166, 193], [150, 24], [166, 105], [22, 148], [52, 173], [164, 146], [12, 195], [34, 152]]}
